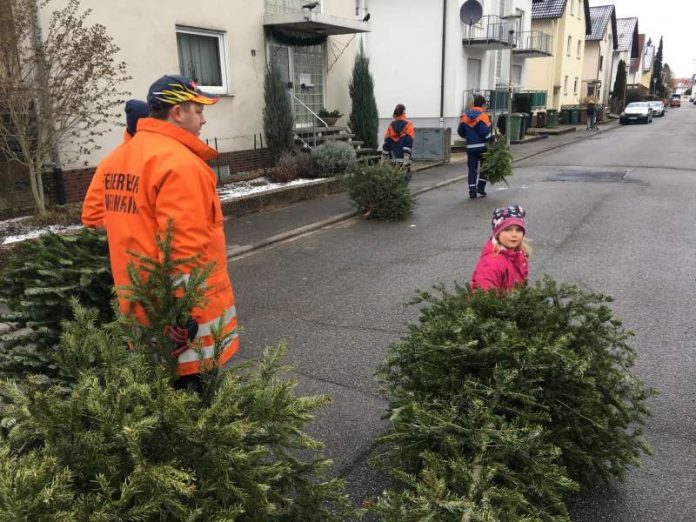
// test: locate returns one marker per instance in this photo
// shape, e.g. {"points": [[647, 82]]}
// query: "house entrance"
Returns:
{"points": [[302, 69]]}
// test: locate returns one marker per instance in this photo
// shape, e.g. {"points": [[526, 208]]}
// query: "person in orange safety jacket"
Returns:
{"points": [[161, 174], [398, 140], [93, 205], [475, 127]]}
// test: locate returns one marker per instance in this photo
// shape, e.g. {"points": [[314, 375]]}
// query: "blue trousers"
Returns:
{"points": [[473, 161]]}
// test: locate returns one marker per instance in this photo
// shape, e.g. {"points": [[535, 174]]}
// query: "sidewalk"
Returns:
{"points": [[254, 231]]}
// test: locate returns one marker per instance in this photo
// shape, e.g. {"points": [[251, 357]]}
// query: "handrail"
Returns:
{"points": [[314, 114]]}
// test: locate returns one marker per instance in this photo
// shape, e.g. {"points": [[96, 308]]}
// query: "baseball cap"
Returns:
{"points": [[173, 89]]}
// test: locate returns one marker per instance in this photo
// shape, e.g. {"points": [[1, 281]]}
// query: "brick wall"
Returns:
{"points": [[245, 160], [76, 182]]}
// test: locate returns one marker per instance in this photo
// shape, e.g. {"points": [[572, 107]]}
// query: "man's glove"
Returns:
{"points": [[181, 335]]}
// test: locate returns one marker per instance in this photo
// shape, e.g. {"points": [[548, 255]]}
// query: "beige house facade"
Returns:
{"points": [[600, 46], [568, 22], [225, 45]]}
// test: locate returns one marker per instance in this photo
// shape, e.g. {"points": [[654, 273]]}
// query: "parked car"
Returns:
{"points": [[658, 108], [675, 100], [635, 112]]}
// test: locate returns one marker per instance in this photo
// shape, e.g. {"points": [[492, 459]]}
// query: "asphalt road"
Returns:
{"points": [[613, 212]]}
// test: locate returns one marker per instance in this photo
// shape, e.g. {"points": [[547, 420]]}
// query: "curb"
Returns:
{"points": [[581, 137], [236, 253]]}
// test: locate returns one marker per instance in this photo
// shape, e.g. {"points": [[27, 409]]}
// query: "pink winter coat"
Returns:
{"points": [[501, 271]]}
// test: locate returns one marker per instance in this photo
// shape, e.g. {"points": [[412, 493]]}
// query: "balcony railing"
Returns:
{"points": [[489, 33], [288, 6], [533, 43]]}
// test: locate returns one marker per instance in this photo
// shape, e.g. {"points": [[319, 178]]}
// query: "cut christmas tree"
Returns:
{"points": [[496, 164], [122, 443], [502, 406]]}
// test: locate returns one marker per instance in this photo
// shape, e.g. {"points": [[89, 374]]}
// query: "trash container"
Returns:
{"points": [[574, 116], [516, 126], [533, 120], [541, 119], [552, 118], [565, 116], [524, 123]]}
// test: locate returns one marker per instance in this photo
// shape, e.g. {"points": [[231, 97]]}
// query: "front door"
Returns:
{"points": [[302, 69]]}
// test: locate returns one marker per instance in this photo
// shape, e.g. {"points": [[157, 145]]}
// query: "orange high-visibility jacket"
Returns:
{"points": [[160, 174]]}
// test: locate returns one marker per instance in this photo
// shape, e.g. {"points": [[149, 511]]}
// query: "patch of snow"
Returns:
{"points": [[54, 229], [238, 190], [7, 223]]}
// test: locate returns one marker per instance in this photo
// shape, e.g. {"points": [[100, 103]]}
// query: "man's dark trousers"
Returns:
{"points": [[473, 161]]}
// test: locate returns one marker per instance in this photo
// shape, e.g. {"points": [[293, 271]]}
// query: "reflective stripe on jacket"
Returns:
{"points": [[502, 270], [475, 127], [161, 173], [399, 136]]}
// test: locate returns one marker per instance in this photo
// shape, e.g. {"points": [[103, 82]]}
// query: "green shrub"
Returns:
{"points": [[121, 442], [41, 277], [502, 405], [334, 157], [380, 191]]}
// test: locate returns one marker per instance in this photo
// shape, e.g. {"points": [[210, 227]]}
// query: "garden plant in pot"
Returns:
{"points": [[329, 117]]}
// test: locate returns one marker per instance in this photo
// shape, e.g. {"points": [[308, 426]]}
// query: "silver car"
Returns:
{"points": [[635, 112], [658, 108]]}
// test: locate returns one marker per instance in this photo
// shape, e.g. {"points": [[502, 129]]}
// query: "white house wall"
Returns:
{"points": [[405, 46], [145, 31]]}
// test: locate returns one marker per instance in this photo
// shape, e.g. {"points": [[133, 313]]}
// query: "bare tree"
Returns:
{"points": [[58, 90]]}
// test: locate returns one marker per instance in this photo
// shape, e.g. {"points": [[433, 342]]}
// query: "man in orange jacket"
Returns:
{"points": [[158, 175], [93, 205]]}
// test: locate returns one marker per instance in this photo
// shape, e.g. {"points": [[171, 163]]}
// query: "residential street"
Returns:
{"points": [[612, 212]]}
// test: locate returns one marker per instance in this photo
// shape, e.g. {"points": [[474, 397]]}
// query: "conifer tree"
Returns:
{"points": [[619, 91], [364, 119], [278, 121], [36, 286], [656, 80], [122, 443], [502, 405]]}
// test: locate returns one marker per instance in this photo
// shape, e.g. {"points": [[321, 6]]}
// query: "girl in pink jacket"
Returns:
{"points": [[504, 259]]}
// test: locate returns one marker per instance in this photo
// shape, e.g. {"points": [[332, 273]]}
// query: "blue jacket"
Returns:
{"points": [[399, 137], [475, 127]]}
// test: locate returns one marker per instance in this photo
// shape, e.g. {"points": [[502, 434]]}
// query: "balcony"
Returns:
{"points": [[489, 33], [533, 44], [288, 17]]}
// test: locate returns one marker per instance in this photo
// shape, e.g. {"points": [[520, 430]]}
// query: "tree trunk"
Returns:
{"points": [[36, 181]]}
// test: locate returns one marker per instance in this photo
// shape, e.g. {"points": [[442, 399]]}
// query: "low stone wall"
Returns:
{"points": [[281, 197]]}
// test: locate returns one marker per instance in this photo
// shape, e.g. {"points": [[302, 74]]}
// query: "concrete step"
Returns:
{"points": [[310, 131], [339, 136]]}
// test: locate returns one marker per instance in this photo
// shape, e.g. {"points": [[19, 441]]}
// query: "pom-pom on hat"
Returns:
{"points": [[508, 216]]}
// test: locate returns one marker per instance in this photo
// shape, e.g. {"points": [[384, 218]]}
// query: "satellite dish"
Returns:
{"points": [[471, 12]]}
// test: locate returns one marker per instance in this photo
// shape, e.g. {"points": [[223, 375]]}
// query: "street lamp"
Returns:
{"points": [[511, 44]]}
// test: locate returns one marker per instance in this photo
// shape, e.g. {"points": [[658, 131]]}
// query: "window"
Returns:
{"points": [[572, 7], [202, 58], [565, 85], [579, 49], [570, 42], [601, 62], [575, 86]]}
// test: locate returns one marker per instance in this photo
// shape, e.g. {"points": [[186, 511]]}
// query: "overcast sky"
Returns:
{"points": [[674, 20]]}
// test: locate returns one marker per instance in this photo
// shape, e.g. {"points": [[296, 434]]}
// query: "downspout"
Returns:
{"points": [[442, 67]]}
